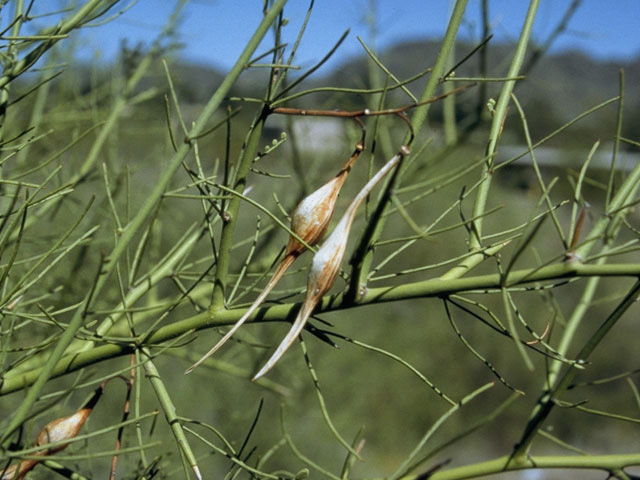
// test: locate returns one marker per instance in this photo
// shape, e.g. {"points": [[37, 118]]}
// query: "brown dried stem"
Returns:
{"points": [[366, 112]]}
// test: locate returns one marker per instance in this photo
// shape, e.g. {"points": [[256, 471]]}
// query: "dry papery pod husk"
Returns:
{"points": [[58, 430], [309, 221], [326, 263]]}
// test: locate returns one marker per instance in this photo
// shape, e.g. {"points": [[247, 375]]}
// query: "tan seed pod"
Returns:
{"points": [[309, 221], [58, 430], [326, 263], [62, 429], [18, 471]]}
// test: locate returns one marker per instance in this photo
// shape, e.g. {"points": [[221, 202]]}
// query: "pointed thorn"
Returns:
{"points": [[196, 470]]}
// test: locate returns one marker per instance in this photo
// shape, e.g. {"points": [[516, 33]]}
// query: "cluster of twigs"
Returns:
{"points": [[81, 304]]}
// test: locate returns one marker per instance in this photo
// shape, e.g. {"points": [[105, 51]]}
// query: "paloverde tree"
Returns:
{"points": [[130, 242]]}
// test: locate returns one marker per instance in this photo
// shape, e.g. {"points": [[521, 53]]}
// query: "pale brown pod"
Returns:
{"points": [[309, 221], [326, 263], [62, 429], [18, 471], [58, 430]]}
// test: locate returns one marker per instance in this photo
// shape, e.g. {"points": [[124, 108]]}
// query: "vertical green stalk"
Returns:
{"points": [[616, 144], [169, 410], [449, 117], [449, 104], [11, 53], [238, 184], [380, 134], [362, 258], [141, 217], [440, 65], [42, 96], [500, 113], [136, 376], [475, 240], [483, 61], [231, 213], [613, 202]]}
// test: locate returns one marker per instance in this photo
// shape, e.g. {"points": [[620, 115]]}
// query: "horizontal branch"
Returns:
{"points": [[366, 112], [435, 287], [506, 464]]}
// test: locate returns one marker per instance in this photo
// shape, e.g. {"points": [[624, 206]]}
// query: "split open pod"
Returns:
{"points": [[309, 222], [326, 263]]}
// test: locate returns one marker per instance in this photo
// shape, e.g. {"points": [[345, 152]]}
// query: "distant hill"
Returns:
{"points": [[565, 84], [558, 87], [571, 78]]}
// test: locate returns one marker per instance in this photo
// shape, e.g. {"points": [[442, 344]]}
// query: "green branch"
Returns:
{"points": [[500, 114], [423, 289], [606, 463], [231, 213]]}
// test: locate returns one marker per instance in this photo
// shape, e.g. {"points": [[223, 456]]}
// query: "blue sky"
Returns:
{"points": [[214, 31]]}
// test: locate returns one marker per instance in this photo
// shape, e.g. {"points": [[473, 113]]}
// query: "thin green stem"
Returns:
{"points": [[400, 472], [500, 114], [507, 464], [169, 410], [231, 212], [616, 144]]}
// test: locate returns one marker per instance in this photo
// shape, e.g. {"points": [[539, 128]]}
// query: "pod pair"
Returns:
{"points": [[310, 221]]}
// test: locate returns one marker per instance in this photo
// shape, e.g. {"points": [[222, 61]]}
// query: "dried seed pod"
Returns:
{"points": [[18, 471], [326, 263], [61, 429], [309, 221], [58, 430]]}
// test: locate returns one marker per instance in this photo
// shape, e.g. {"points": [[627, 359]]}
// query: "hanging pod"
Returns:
{"points": [[309, 221], [326, 263]]}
